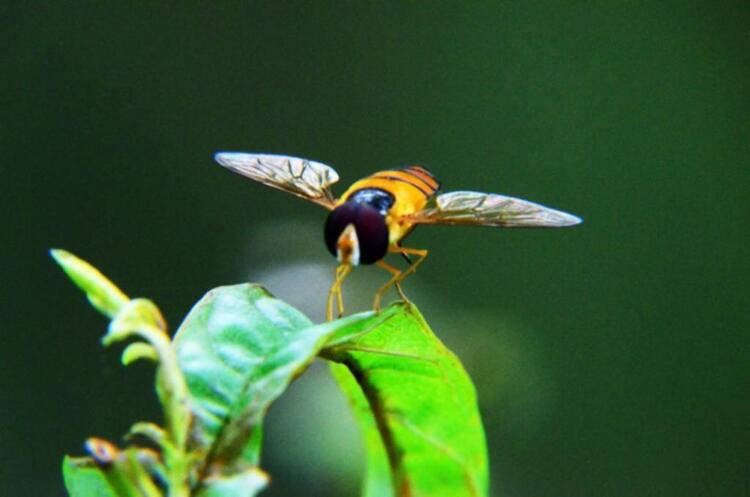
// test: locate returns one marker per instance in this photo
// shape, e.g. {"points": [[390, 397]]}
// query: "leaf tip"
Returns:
{"points": [[136, 351], [61, 256], [104, 295]]}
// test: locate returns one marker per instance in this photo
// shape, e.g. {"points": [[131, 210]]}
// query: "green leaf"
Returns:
{"points": [[128, 472], [150, 431], [423, 403], [101, 292], [378, 481], [83, 478], [123, 476], [239, 348], [133, 316]]}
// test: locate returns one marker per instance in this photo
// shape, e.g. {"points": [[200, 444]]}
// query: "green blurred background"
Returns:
{"points": [[610, 359]]}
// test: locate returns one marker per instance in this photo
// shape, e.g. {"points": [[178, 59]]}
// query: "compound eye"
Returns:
{"points": [[372, 232], [337, 221]]}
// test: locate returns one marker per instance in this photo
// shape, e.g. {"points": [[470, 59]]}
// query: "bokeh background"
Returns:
{"points": [[610, 359]]}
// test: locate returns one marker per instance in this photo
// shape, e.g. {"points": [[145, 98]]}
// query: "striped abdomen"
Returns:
{"points": [[417, 177]]}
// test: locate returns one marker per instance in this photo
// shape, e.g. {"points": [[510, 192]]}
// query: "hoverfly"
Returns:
{"points": [[376, 213]]}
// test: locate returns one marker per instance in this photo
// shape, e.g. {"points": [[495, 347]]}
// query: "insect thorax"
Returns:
{"points": [[378, 199]]}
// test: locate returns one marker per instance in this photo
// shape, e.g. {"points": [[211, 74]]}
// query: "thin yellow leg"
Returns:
{"points": [[335, 291], [398, 275], [421, 253], [394, 271], [340, 301]]}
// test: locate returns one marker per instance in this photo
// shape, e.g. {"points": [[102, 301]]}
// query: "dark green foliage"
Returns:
{"points": [[236, 352]]}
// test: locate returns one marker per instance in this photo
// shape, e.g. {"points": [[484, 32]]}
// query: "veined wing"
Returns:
{"points": [[301, 177], [491, 209]]}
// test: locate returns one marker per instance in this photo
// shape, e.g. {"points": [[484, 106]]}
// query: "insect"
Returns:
{"points": [[374, 215]]}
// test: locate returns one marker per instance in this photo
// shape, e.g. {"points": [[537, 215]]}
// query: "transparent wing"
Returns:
{"points": [[490, 209], [304, 178]]}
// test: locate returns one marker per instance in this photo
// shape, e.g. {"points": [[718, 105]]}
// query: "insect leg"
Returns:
{"points": [[345, 270], [381, 291], [340, 300], [396, 273], [398, 276], [331, 294], [421, 253], [335, 292]]}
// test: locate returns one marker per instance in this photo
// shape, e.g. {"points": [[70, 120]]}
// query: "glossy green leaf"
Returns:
{"points": [[83, 478], [239, 348], [423, 403]]}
